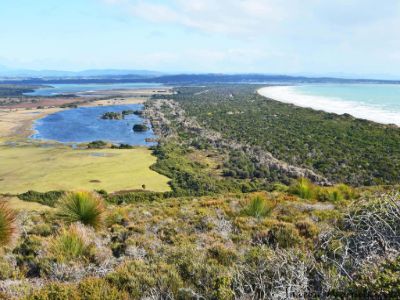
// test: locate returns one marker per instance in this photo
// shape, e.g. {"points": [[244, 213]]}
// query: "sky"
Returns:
{"points": [[196, 36]]}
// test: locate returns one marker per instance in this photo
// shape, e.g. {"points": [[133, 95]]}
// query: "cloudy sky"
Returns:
{"points": [[265, 36]]}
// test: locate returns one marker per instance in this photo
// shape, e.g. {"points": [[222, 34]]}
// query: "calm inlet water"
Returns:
{"points": [[376, 102], [58, 89], [84, 124]]}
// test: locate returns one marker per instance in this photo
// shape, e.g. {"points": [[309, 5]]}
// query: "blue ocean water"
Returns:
{"points": [[84, 124], [57, 89], [376, 102]]}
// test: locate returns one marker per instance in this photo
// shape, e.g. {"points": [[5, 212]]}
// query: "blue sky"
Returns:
{"points": [[266, 36]]}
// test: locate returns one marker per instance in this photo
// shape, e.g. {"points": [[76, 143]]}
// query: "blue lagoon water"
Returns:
{"points": [[59, 89], [84, 124], [376, 102]]}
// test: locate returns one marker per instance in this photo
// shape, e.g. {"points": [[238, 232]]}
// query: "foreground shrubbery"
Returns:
{"points": [[255, 246]]}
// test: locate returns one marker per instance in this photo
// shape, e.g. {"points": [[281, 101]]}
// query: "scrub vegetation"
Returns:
{"points": [[340, 147], [226, 211], [254, 245]]}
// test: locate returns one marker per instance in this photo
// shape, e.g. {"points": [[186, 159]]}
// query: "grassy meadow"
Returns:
{"points": [[43, 169], [20, 205]]}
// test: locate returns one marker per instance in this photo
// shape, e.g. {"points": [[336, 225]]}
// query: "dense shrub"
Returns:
{"points": [[140, 128], [143, 280], [97, 145], [47, 198], [381, 281], [283, 235], [136, 196]]}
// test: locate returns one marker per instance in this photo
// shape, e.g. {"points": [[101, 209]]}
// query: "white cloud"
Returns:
{"points": [[300, 34], [231, 17], [258, 17]]}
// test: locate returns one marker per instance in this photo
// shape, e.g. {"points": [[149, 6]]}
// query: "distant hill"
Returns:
{"points": [[145, 76], [7, 73]]}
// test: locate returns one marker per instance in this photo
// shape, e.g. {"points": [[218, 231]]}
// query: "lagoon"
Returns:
{"points": [[84, 124]]}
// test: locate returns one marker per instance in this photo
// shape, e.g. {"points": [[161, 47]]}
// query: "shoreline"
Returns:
{"points": [[287, 94]]}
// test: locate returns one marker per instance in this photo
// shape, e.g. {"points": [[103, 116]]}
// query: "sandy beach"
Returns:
{"points": [[337, 105]]}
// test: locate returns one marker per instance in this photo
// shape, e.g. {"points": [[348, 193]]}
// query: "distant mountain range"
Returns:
{"points": [[7, 73], [146, 76]]}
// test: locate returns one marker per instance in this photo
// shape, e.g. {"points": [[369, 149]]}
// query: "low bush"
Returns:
{"points": [[55, 291], [118, 216], [140, 280], [72, 243], [307, 229], [283, 235], [99, 289]]}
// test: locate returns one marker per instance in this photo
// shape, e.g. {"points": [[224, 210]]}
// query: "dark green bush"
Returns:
{"points": [[47, 198]]}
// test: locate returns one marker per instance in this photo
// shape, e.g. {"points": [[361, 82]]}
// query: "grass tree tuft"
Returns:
{"points": [[7, 224], [258, 207], [303, 188], [84, 207]]}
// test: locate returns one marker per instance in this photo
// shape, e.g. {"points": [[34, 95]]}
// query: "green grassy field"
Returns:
{"points": [[41, 168], [20, 205]]}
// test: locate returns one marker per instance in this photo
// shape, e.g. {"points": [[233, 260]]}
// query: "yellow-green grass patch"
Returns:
{"points": [[42, 169], [20, 205]]}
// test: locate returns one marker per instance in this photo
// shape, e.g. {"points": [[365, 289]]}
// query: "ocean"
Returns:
{"points": [[375, 102]]}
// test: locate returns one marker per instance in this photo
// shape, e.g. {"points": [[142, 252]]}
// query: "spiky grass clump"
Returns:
{"points": [[335, 195], [258, 207], [303, 188], [84, 207], [7, 224], [72, 243]]}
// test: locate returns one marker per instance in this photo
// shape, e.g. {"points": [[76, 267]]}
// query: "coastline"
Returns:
{"points": [[287, 94]]}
